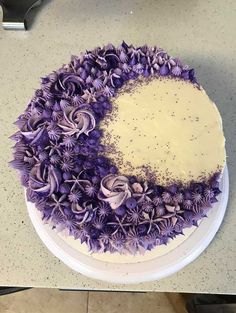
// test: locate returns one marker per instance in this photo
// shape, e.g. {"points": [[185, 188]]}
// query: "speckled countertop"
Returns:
{"points": [[201, 32]]}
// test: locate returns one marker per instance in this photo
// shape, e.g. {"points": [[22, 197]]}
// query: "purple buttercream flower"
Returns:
{"points": [[147, 206], [160, 210], [68, 84], [77, 121], [118, 241], [57, 203], [98, 84], [178, 198], [77, 100], [91, 190], [78, 182], [68, 153], [103, 209], [166, 227], [164, 70], [44, 179], [34, 128], [142, 193], [75, 195], [176, 70], [134, 241], [188, 204], [134, 215], [64, 103], [166, 197], [69, 141], [57, 116], [157, 200], [108, 91], [55, 159], [123, 56], [66, 165], [99, 223], [197, 197], [115, 190], [209, 193], [54, 132], [43, 156]]}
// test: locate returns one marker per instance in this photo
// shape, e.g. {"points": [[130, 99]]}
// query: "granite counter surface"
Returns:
{"points": [[202, 33]]}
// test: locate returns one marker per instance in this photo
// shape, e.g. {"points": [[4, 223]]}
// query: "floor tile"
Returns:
{"points": [[116, 302], [44, 301]]}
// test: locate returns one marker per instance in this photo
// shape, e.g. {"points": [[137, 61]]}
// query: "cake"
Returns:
{"points": [[121, 148]]}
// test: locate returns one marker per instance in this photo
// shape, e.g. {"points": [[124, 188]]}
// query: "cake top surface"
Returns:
{"points": [[164, 130]]}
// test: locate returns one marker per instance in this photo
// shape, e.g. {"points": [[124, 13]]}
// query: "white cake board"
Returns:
{"points": [[158, 266]]}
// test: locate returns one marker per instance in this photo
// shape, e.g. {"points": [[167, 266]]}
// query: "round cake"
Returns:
{"points": [[121, 149]]}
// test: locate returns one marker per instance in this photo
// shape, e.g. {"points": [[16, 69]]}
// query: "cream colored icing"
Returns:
{"points": [[169, 125], [158, 251]]}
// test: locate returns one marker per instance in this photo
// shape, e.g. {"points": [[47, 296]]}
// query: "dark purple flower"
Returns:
{"points": [[69, 141], [97, 83], [178, 198], [66, 165], [64, 188], [187, 204], [166, 197], [134, 241], [78, 182], [69, 222], [164, 70], [68, 84], [131, 203], [44, 179], [197, 197], [57, 203], [166, 227], [91, 190], [57, 218], [160, 210], [105, 236], [103, 209], [157, 200], [33, 129], [99, 223], [77, 121], [55, 159], [75, 195], [134, 215], [209, 193], [54, 132], [121, 211], [43, 156], [68, 153], [64, 103], [77, 100], [118, 241], [147, 206], [176, 70], [152, 239], [57, 116]]}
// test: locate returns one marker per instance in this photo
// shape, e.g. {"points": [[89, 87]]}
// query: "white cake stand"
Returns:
{"points": [[156, 268]]}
